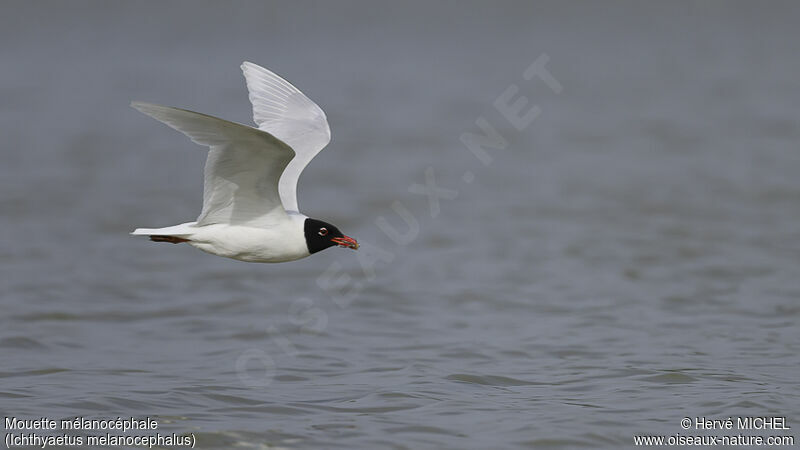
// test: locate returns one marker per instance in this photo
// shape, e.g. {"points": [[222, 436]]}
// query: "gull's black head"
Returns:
{"points": [[321, 235]]}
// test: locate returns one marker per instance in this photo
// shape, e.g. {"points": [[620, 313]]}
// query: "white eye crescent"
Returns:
{"points": [[323, 231]]}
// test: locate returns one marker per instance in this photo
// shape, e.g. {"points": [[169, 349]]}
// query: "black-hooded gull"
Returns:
{"points": [[250, 208]]}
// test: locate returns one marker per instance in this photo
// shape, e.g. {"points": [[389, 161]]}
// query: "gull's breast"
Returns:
{"points": [[280, 243]]}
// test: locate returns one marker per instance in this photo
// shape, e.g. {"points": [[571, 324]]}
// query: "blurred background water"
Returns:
{"points": [[629, 259]]}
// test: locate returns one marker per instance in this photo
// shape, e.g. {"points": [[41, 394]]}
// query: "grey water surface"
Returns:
{"points": [[628, 259]]}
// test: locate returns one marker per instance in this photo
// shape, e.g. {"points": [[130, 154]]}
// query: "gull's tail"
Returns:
{"points": [[175, 234]]}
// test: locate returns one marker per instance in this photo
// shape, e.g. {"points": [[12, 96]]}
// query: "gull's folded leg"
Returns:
{"points": [[170, 239]]}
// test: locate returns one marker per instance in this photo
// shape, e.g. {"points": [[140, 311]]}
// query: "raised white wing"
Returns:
{"points": [[283, 111], [242, 169]]}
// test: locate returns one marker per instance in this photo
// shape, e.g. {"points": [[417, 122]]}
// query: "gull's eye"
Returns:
{"points": [[323, 231]]}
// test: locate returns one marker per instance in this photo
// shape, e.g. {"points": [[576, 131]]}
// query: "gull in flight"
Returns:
{"points": [[250, 208]]}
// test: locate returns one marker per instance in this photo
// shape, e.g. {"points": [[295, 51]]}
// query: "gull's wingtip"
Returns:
{"points": [[151, 109], [141, 106]]}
